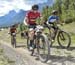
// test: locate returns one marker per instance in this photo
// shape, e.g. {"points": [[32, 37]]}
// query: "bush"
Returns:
{"points": [[68, 20], [74, 19]]}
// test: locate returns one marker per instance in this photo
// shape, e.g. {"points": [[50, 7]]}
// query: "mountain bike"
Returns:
{"points": [[41, 43], [63, 37], [13, 39]]}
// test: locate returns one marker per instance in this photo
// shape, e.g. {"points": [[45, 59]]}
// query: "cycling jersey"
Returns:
{"points": [[12, 29], [32, 17], [53, 18]]}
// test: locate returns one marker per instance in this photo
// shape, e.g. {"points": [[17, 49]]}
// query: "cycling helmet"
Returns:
{"points": [[35, 7], [54, 11], [13, 25]]}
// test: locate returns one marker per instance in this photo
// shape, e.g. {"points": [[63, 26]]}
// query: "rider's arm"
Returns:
{"points": [[41, 19], [26, 19], [10, 30], [15, 30], [59, 21]]}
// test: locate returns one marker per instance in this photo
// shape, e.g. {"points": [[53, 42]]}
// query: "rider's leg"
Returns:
{"points": [[31, 37], [55, 32], [31, 42]]}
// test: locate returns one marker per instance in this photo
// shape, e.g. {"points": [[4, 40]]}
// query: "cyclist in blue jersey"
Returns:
{"points": [[53, 19]]}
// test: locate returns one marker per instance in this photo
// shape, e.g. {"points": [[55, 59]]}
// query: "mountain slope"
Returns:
{"points": [[12, 18]]}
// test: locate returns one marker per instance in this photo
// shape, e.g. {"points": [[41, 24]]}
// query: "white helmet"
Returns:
{"points": [[54, 11]]}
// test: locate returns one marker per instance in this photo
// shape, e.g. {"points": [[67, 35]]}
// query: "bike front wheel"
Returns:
{"points": [[13, 42], [64, 39], [43, 48]]}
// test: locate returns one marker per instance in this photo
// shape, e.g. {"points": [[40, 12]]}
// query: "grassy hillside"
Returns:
{"points": [[70, 28]]}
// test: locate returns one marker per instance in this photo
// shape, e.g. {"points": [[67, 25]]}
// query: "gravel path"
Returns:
{"points": [[22, 57]]}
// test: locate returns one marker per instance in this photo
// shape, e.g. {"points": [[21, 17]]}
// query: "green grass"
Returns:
{"points": [[70, 28], [6, 37]]}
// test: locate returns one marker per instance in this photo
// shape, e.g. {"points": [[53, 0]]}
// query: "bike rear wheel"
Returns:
{"points": [[43, 48], [64, 39], [13, 42]]}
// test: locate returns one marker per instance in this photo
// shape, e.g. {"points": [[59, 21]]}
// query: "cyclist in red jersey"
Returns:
{"points": [[13, 29], [31, 17]]}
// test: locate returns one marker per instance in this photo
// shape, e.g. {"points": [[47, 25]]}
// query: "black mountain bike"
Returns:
{"points": [[13, 39], [63, 38], [42, 45]]}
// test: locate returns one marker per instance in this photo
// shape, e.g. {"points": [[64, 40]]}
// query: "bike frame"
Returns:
{"points": [[13, 38], [56, 32]]}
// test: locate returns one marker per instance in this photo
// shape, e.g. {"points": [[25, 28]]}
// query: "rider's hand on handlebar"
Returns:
{"points": [[8, 32], [62, 24]]}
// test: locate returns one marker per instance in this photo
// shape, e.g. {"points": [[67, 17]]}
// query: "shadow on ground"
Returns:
{"points": [[58, 47], [61, 60], [58, 59], [20, 46]]}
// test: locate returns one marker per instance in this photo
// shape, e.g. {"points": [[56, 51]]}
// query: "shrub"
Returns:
{"points": [[68, 20]]}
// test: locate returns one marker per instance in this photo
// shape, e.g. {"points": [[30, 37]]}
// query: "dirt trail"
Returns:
{"points": [[20, 55]]}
